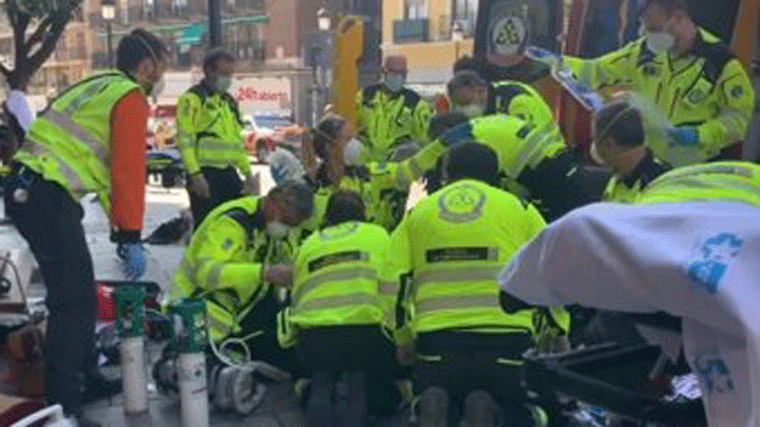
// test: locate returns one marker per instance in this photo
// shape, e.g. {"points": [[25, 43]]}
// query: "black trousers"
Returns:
{"points": [[340, 349], [51, 222], [224, 185], [262, 320], [462, 362], [346, 348]]}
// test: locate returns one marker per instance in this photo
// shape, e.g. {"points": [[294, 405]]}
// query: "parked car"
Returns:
{"points": [[166, 165], [259, 136]]}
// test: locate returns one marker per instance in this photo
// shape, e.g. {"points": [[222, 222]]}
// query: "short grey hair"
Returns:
{"points": [[465, 78], [296, 196]]}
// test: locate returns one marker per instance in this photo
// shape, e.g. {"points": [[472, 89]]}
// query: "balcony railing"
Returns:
{"points": [[410, 31]]}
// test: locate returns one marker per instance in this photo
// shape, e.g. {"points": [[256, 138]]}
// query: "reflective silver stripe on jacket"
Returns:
{"points": [[320, 279], [456, 302], [76, 185], [336, 301], [459, 275], [687, 182], [83, 135]]}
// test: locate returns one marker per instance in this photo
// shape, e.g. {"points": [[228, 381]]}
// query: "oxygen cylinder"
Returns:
{"points": [[130, 318], [189, 320]]}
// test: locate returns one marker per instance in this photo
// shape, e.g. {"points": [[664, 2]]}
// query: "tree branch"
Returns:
{"points": [[58, 23], [39, 33], [19, 31]]}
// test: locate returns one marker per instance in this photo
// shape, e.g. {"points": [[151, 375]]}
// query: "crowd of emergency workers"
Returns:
{"points": [[329, 272]]}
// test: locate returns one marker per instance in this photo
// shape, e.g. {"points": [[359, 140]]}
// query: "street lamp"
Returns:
{"points": [[320, 48], [324, 22], [457, 35], [108, 12]]}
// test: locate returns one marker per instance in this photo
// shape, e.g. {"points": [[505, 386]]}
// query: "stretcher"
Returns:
{"points": [[611, 377]]}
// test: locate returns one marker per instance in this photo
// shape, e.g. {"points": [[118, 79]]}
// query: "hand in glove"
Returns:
{"points": [[684, 135], [252, 185], [542, 55], [199, 186], [133, 259]]}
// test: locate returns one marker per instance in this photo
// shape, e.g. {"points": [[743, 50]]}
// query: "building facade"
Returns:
{"points": [[68, 63], [183, 24], [422, 30]]}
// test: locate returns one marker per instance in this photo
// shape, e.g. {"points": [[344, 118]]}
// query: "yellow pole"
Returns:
{"points": [[349, 48], [745, 32]]}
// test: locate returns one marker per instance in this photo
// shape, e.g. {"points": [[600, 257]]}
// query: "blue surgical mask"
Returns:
{"points": [[223, 84], [394, 82]]}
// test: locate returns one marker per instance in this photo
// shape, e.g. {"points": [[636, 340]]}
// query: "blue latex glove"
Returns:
{"points": [[684, 135], [542, 55], [133, 259]]}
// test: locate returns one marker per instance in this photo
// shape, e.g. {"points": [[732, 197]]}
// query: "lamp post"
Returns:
{"points": [[108, 12], [457, 35], [324, 23]]}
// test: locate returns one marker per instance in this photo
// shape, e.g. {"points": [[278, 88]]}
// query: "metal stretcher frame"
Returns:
{"points": [[608, 376]]}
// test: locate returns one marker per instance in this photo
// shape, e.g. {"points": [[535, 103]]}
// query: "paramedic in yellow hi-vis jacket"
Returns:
{"points": [[473, 96], [443, 259], [336, 319], [238, 253], [530, 156], [210, 139], [689, 74], [619, 143], [390, 114]]}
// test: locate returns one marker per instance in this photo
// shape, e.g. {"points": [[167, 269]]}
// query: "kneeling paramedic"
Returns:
{"points": [[336, 320], [238, 253], [688, 246], [90, 139], [446, 255]]}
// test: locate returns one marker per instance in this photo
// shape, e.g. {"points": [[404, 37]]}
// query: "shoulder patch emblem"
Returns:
{"points": [[227, 244]]}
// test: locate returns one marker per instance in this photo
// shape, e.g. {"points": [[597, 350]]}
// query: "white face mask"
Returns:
{"points": [[352, 152], [278, 230], [471, 111], [660, 42], [394, 82]]}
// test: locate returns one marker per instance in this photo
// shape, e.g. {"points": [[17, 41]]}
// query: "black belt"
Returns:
{"points": [[27, 178]]}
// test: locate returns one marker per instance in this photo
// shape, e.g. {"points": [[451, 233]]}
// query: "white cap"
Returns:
{"points": [[285, 166]]}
